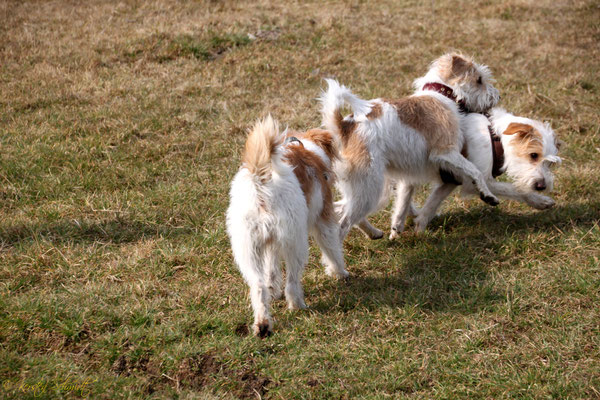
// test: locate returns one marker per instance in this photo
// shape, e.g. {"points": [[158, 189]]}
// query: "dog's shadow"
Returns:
{"points": [[449, 268], [116, 230]]}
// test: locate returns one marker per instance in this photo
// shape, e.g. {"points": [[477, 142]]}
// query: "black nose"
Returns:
{"points": [[540, 185]]}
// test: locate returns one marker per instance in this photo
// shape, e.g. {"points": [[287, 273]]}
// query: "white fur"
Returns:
{"points": [[269, 219], [397, 151]]}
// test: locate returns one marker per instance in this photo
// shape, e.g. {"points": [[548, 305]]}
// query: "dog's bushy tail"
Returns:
{"points": [[260, 147], [334, 99]]}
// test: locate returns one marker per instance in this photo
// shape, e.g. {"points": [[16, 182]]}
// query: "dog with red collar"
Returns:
{"points": [[412, 140]]}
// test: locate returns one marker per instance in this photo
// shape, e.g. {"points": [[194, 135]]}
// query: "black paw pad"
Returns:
{"points": [[263, 331], [489, 200]]}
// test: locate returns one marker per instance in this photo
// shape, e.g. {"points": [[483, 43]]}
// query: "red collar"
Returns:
{"points": [[497, 149], [446, 91]]}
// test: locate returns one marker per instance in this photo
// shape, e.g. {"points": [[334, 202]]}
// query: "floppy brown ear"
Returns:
{"points": [[518, 128], [460, 65]]}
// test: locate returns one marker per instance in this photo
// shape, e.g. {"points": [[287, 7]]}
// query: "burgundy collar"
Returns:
{"points": [[497, 150], [446, 91]]}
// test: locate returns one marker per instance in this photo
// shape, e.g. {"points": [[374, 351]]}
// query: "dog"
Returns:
{"points": [[525, 149], [411, 140], [281, 194]]}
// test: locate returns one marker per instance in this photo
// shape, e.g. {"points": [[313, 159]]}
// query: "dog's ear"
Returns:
{"points": [[460, 65], [523, 130]]}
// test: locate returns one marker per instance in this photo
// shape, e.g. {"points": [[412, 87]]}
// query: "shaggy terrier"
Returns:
{"points": [[525, 149], [280, 194], [411, 140]]}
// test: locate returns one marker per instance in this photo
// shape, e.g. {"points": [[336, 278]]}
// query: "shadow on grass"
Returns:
{"points": [[448, 268], [117, 230], [495, 221]]}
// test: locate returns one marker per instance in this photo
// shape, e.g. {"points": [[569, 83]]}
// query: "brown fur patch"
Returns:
{"points": [[431, 118], [347, 127], [375, 112], [454, 68], [309, 168], [260, 146], [354, 150], [356, 153], [528, 140], [517, 127], [323, 139]]}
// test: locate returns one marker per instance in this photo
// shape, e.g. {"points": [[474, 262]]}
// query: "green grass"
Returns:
{"points": [[121, 126]]}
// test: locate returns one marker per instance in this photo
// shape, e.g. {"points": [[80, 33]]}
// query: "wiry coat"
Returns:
{"points": [[410, 140], [280, 194], [530, 149]]}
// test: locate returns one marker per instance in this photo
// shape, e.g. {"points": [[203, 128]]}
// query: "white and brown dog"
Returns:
{"points": [[280, 195], [524, 148], [410, 140]]}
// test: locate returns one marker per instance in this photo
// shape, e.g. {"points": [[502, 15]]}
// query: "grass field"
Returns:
{"points": [[121, 126]]}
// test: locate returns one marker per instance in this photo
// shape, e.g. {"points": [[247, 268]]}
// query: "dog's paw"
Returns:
{"points": [[336, 272], [489, 199], [420, 224], [396, 232], [376, 234], [540, 202], [262, 328], [297, 305]]}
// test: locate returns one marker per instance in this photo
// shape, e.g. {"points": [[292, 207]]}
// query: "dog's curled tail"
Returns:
{"points": [[260, 147], [334, 99]]}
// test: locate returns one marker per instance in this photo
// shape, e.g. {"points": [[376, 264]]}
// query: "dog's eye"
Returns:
{"points": [[534, 156], [479, 80]]}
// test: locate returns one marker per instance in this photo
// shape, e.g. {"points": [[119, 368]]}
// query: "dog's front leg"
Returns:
{"points": [[509, 191], [460, 166]]}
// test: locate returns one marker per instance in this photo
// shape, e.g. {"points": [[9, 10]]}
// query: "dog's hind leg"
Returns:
{"points": [[295, 254], [361, 196], [431, 205], [364, 225], [456, 164], [369, 230], [327, 236], [273, 272], [260, 295], [402, 207]]}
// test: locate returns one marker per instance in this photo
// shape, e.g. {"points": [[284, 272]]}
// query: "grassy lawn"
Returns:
{"points": [[121, 127]]}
